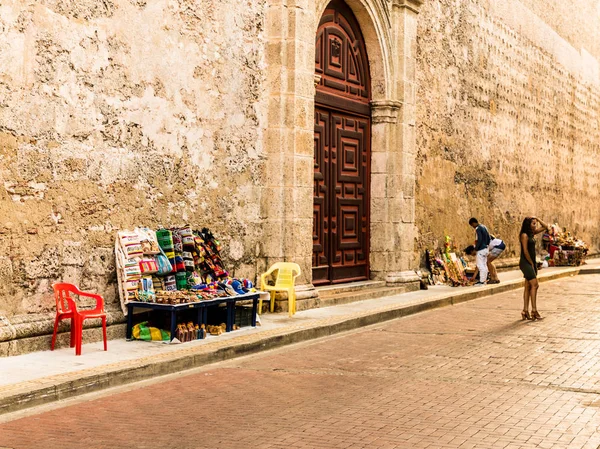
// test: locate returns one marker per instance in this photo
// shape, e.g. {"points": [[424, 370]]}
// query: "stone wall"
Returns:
{"points": [[129, 112], [119, 113], [508, 116]]}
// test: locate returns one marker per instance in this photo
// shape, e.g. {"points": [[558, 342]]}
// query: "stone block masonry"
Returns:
{"points": [[508, 117], [121, 113]]}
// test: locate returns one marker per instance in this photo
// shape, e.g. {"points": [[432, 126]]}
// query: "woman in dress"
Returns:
{"points": [[528, 265]]}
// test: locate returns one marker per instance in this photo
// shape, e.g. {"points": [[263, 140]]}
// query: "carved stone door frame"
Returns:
{"points": [[389, 29]]}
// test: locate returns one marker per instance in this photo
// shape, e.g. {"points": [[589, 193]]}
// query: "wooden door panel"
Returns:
{"points": [[342, 149], [341, 56], [321, 196], [349, 220]]}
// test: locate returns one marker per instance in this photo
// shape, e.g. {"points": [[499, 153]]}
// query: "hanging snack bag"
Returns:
{"points": [[165, 242], [132, 275], [148, 240], [181, 280], [187, 238], [170, 283], [148, 266], [132, 269], [178, 249], [131, 244]]}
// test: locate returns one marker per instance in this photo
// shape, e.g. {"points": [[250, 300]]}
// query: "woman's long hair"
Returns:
{"points": [[526, 227]]}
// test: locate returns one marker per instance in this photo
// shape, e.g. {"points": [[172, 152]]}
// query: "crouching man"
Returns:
{"points": [[496, 247]]}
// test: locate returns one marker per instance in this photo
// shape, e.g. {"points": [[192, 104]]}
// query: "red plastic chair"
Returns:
{"points": [[66, 308]]}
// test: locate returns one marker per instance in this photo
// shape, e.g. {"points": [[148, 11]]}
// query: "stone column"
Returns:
{"points": [[286, 204], [404, 13], [384, 118]]}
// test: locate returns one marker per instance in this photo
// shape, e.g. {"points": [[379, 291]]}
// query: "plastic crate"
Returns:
{"points": [[243, 315]]}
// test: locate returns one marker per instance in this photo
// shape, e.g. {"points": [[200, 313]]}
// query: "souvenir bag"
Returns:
{"points": [[204, 262], [131, 244], [194, 280], [198, 253], [163, 263], [213, 248], [188, 261], [187, 238], [192, 331], [170, 283], [165, 243], [148, 240], [181, 280], [144, 332], [148, 266], [178, 250]]}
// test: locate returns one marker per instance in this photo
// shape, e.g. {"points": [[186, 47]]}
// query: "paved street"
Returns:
{"points": [[466, 376]]}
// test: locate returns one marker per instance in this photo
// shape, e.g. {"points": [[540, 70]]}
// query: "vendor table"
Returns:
{"points": [[201, 306]]}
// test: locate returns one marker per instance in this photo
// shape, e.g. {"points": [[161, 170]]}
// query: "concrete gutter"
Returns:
{"points": [[44, 390]]}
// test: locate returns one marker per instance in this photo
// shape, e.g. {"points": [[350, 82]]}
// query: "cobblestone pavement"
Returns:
{"points": [[466, 376]]}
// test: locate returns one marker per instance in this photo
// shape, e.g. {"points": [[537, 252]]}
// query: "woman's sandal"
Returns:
{"points": [[535, 315], [525, 315]]}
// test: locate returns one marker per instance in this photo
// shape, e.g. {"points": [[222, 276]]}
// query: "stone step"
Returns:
{"points": [[328, 300], [350, 287]]}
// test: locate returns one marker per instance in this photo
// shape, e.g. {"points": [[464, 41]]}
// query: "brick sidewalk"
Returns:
{"points": [[34, 379], [469, 376]]}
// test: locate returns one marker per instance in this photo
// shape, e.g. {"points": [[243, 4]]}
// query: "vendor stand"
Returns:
{"points": [[175, 270], [200, 306], [563, 248], [445, 267]]}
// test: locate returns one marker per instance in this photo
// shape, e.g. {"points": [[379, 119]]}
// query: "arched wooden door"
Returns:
{"points": [[342, 150]]}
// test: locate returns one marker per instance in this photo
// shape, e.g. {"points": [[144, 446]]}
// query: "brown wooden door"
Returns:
{"points": [[342, 151]]}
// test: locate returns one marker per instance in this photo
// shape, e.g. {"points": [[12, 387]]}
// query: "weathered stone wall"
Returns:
{"points": [[508, 116], [119, 113]]}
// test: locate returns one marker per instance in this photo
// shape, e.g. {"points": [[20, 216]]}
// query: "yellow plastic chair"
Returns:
{"points": [[284, 282]]}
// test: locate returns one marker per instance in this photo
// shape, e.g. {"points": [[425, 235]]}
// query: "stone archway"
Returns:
{"points": [[389, 31]]}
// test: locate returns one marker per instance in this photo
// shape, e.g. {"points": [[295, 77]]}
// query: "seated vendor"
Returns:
{"points": [[470, 251]]}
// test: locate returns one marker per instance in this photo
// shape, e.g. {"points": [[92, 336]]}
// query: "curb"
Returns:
{"points": [[54, 388]]}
